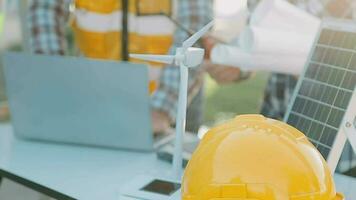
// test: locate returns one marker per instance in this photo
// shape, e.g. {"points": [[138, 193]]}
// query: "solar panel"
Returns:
{"points": [[326, 91]]}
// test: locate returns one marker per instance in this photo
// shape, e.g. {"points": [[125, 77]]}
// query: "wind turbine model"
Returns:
{"points": [[185, 57]]}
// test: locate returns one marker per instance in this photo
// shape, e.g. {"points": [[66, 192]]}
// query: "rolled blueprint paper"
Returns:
{"points": [[261, 40], [234, 56], [280, 14], [228, 29], [230, 17]]}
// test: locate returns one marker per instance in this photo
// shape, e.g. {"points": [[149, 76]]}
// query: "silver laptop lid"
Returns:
{"points": [[77, 100]]}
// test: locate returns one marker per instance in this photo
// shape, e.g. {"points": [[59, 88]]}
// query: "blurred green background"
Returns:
{"points": [[224, 102]]}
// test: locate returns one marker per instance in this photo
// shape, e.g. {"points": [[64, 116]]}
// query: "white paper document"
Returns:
{"points": [[260, 40], [234, 56], [278, 39], [282, 15]]}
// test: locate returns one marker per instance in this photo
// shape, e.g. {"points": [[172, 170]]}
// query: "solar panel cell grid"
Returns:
{"points": [[352, 65], [326, 88], [349, 80]]}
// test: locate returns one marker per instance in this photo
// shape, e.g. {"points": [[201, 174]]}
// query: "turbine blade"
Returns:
{"points": [[194, 38], [167, 59]]}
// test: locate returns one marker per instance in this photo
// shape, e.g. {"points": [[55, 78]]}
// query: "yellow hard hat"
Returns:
{"points": [[255, 158]]}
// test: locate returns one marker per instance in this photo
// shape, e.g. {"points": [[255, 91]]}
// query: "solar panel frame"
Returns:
{"points": [[341, 137], [346, 133]]}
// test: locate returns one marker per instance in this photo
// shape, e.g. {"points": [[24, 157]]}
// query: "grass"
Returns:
{"points": [[224, 102]]}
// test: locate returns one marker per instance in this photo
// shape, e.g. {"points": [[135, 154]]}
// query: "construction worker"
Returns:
{"points": [[111, 29], [108, 29]]}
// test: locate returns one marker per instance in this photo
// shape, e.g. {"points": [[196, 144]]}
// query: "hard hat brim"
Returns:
{"points": [[339, 196]]}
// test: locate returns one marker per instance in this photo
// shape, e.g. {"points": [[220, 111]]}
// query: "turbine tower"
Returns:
{"points": [[185, 57]]}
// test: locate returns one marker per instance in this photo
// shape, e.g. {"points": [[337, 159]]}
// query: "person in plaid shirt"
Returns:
{"points": [[48, 23]]}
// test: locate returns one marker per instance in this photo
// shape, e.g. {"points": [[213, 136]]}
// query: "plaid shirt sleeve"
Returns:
{"points": [[193, 14], [278, 92], [47, 22]]}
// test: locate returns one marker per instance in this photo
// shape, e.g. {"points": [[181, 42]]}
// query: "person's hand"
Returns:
{"points": [[160, 122], [4, 112], [338, 8], [222, 74], [208, 44]]}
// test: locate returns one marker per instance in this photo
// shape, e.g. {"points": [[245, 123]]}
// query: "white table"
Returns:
{"points": [[68, 172]]}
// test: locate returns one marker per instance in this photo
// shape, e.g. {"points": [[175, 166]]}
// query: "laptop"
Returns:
{"points": [[79, 101]]}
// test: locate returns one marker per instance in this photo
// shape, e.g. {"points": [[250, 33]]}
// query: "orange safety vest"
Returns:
{"points": [[111, 29]]}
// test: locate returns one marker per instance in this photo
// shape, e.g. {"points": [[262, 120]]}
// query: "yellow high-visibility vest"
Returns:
{"points": [[111, 29]]}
